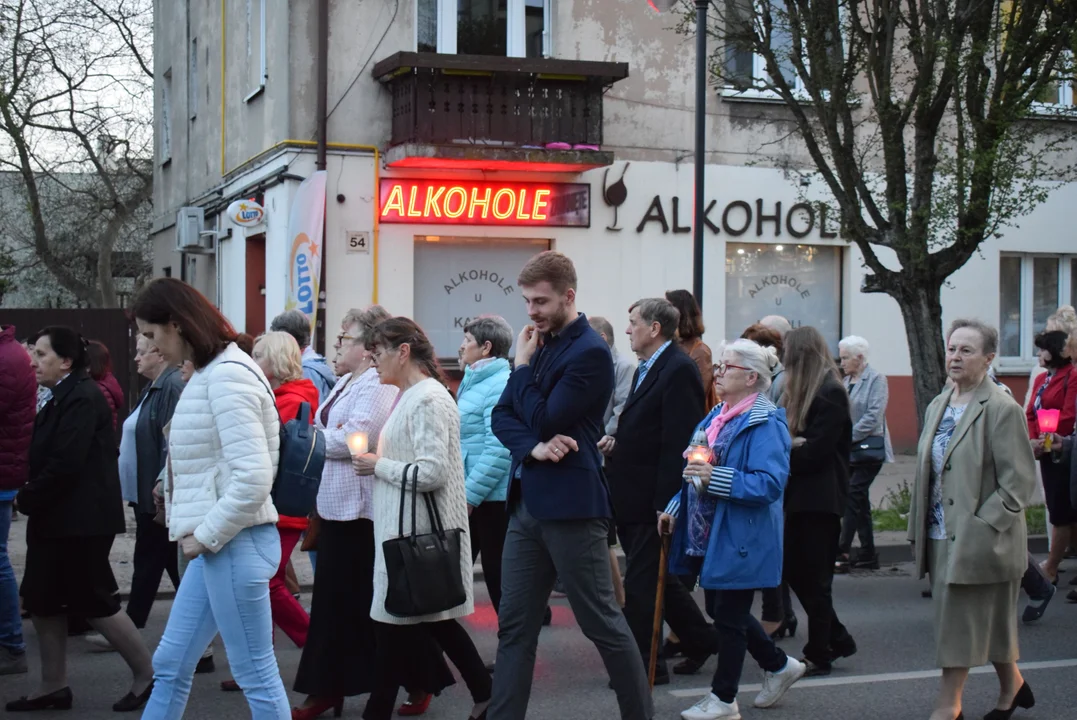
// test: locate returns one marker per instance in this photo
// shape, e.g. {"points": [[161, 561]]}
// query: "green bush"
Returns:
{"points": [[894, 512]]}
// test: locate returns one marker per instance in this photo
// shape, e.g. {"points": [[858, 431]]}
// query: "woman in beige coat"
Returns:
{"points": [[975, 476]]}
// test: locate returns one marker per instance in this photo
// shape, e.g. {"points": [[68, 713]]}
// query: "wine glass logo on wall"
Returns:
{"points": [[615, 194]]}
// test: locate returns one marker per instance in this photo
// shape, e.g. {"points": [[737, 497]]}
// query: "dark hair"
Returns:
{"points": [[1053, 342], [66, 343], [762, 335], [397, 331], [100, 359], [245, 342], [552, 267], [691, 322], [202, 326]]}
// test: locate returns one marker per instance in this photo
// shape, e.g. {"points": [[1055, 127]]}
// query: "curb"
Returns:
{"points": [[888, 555]]}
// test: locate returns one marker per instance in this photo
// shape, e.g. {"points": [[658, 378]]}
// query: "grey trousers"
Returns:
{"points": [[537, 552]]}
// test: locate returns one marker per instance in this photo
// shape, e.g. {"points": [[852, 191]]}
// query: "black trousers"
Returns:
{"points": [[858, 511], [811, 547], [1035, 583], [489, 523], [154, 554], [395, 647], [643, 550], [740, 632]]}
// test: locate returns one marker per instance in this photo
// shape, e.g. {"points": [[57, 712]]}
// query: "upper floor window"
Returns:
{"points": [[1059, 93], [508, 28], [1031, 288]]}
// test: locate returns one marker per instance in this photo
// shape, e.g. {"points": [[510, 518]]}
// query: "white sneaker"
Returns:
{"points": [[776, 683], [711, 708], [99, 643]]}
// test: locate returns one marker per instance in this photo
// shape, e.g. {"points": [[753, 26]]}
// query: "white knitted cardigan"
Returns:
{"points": [[423, 429]]}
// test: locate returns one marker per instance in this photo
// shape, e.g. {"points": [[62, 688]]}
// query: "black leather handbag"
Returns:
{"points": [[424, 570], [869, 451]]}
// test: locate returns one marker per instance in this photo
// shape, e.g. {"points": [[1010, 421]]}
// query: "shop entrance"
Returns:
{"points": [[459, 278]]}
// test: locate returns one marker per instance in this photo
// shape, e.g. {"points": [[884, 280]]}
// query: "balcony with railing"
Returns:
{"points": [[496, 113]]}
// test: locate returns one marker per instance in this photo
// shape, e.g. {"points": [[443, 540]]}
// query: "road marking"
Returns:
{"points": [[831, 681]]}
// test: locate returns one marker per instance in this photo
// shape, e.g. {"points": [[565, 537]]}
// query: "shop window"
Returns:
{"points": [[1031, 287], [512, 28], [459, 278], [256, 48], [802, 283]]}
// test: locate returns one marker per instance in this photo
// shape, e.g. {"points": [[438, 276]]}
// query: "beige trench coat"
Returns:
{"points": [[988, 479]]}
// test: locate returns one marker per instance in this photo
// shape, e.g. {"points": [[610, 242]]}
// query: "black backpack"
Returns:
{"points": [[302, 457]]}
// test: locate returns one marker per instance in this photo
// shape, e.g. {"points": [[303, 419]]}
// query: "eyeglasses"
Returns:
{"points": [[721, 368], [344, 336]]}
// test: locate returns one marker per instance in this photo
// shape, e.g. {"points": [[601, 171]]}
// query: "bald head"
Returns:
{"points": [[776, 323]]}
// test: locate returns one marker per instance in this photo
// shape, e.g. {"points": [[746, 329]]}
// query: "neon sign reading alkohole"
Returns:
{"points": [[448, 202]]}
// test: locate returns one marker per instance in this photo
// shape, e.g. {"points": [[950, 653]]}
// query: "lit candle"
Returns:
{"points": [[699, 455], [357, 443], [1048, 421]]}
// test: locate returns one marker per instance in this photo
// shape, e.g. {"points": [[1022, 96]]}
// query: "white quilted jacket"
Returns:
{"points": [[223, 444]]}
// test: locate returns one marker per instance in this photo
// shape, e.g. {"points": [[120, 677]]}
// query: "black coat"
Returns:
{"points": [[158, 404], [74, 486], [654, 429], [819, 469]]}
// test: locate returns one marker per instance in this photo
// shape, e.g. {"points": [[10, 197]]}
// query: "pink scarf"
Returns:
{"points": [[727, 414]]}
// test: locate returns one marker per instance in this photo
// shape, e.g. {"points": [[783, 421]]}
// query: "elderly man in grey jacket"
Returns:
{"points": [[868, 396]]}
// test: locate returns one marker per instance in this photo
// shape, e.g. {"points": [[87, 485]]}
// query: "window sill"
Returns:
{"points": [[1015, 366], [255, 93], [1052, 111], [756, 95], [166, 162]]}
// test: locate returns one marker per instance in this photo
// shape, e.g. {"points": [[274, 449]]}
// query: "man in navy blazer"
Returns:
{"points": [[550, 418]]}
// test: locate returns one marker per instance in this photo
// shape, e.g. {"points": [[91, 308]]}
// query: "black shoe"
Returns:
{"points": [[547, 619], [1073, 581], [490, 668], [672, 649], [925, 593], [866, 561], [205, 665], [131, 702], [815, 669], [1071, 596], [842, 565], [844, 649], [690, 665], [59, 700], [788, 627], [1023, 699], [1034, 612]]}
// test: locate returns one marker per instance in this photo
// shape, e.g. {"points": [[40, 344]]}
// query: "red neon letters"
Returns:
{"points": [[477, 203]]}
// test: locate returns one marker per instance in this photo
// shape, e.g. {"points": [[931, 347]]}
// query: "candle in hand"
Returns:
{"points": [[1048, 422], [357, 443]]}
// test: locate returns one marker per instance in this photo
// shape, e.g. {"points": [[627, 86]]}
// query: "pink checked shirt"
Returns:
{"points": [[360, 406]]}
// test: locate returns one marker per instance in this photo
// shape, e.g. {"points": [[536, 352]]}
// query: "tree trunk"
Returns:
{"points": [[921, 308]]}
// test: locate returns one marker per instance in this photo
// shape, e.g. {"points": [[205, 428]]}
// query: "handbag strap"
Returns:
{"points": [[414, 497], [435, 516], [403, 495]]}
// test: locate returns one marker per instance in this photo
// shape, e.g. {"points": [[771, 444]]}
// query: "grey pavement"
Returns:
{"points": [[891, 678]]}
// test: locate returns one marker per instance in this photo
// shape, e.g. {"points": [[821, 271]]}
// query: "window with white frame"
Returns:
{"points": [[747, 70], [1031, 288], [1059, 93], [506, 28], [166, 117], [256, 48]]}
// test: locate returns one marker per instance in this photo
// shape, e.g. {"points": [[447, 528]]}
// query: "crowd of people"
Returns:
{"points": [[750, 467]]}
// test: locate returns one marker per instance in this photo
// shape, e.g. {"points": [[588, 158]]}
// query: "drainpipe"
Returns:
{"points": [[323, 124]]}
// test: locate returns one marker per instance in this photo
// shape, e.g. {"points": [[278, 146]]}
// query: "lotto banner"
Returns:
{"points": [[305, 230]]}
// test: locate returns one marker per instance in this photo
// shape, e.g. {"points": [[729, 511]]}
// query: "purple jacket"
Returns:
{"points": [[18, 405]]}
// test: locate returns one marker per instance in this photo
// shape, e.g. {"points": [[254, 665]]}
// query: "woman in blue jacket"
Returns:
{"points": [[484, 357], [727, 524]]}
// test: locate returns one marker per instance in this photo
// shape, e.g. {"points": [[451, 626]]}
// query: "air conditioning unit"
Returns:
{"points": [[190, 223]]}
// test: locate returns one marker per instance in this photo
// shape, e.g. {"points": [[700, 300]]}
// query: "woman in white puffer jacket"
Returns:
{"points": [[223, 444]]}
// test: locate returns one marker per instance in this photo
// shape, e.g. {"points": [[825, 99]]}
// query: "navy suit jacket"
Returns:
{"points": [[563, 391]]}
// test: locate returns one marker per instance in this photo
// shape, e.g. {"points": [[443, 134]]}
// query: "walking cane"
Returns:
{"points": [[660, 596]]}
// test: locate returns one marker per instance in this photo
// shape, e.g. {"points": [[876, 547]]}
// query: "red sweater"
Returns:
{"points": [[289, 396], [1061, 394]]}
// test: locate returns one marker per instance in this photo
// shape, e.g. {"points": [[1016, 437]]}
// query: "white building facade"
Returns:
{"points": [[433, 219]]}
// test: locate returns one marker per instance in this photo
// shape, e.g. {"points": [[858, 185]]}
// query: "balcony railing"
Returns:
{"points": [[496, 101]]}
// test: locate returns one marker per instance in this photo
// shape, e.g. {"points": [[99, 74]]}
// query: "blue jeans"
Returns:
{"points": [[10, 620], [226, 592]]}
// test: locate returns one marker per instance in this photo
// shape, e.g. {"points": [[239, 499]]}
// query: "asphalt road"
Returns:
{"points": [[891, 678]]}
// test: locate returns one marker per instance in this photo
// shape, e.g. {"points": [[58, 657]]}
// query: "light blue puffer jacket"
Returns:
{"points": [[486, 461]]}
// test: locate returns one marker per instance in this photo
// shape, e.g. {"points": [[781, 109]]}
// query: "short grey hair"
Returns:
{"points": [[856, 345], [492, 329], [661, 311], [295, 323], [778, 324], [760, 360], [601, 325], [987, 332], [367, 319]]}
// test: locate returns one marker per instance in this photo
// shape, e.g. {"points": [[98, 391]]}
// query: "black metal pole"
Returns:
{"points": [[320, 162], [701, 146]]}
